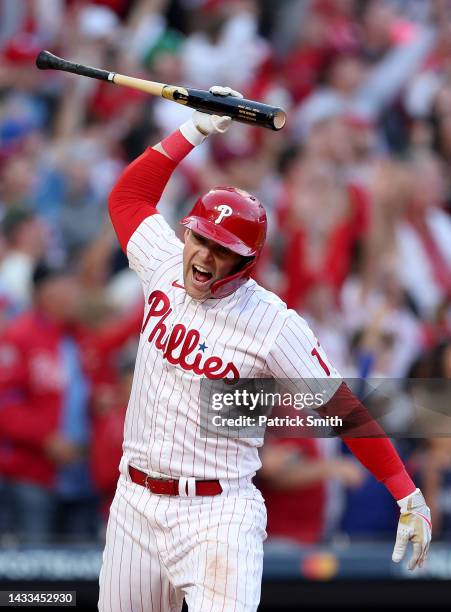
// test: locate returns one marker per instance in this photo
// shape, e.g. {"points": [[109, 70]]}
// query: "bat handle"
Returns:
{"points": [[46, 60]]}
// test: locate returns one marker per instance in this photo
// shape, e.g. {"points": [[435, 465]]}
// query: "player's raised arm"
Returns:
{"points": [[138, 191]]}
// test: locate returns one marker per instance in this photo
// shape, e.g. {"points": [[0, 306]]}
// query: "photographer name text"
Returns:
{"points": [[286, 421]]}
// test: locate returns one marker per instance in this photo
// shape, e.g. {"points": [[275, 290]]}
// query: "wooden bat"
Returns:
{"points": [[240, 109]]}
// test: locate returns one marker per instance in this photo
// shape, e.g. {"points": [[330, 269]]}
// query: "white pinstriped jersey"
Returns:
{"points": [[248, 334]]}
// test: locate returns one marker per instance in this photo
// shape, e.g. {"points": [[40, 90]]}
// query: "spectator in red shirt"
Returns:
{"points": [[108, 435], [322, 218], [294, 480], [33, 385]]}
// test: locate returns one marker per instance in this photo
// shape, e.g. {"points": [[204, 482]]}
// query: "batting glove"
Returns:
{"points": [[414, 525], [201, 125]]}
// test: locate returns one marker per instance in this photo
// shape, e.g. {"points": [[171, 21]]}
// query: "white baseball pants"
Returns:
{"points": [[160, 549]]}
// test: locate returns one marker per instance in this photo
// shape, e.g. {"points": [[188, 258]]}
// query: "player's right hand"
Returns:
{"points": [[414, 526], [214, 124]]}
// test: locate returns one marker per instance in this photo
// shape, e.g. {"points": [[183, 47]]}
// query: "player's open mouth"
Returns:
{"points": [[201, 275]]}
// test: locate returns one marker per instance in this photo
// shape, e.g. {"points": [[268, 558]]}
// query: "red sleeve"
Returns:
{"points": [[137, 192], [376, 453], [379, 456]]}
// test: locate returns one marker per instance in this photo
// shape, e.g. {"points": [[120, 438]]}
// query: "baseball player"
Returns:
{"points": [[186, 520]]}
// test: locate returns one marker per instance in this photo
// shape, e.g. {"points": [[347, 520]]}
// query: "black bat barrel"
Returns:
{"points": [[240, 109]]}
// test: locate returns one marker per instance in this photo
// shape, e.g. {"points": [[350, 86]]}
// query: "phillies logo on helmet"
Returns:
{"points": [[224, 211]]}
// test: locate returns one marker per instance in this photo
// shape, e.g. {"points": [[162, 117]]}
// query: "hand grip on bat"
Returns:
{"points": [[240, 109]]}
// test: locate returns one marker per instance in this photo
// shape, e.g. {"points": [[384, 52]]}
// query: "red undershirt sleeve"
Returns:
{"points": [[368, 442], [137, 192]]}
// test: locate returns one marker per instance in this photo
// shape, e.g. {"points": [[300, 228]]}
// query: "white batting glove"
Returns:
{"points": [[218, 90], [414, 525], [201, 125]]}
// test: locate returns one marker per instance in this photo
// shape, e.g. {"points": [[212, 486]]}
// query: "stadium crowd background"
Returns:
{"points": [[358, 191]]}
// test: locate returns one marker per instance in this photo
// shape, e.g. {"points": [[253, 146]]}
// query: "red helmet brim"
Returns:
{"points": [[218, 234]]}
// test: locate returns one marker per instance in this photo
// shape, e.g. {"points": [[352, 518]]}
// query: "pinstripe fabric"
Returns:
{"points": [[290, 357], [133, 576], [162, 433], [160, 549]]}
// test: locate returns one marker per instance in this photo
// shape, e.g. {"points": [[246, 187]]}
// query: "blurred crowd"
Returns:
{"points": [[358, 192]]}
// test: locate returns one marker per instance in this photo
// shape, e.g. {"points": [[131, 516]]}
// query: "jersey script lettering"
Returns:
{"points": [[182, 340]]}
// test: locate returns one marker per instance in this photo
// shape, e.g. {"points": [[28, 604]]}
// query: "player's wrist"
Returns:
{"points": [[413, 499], [177, 145], [400, 484], [192, 133]]}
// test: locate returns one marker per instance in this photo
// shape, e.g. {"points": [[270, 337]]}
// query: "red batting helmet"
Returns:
{"points": [[234, 219]]}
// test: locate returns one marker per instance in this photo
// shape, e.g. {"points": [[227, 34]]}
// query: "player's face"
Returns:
{"points": [[204, 262]]}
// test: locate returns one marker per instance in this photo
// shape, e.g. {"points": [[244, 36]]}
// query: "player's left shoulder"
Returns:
{"points": [[262, 312], [276, 309], [260, 295]]}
